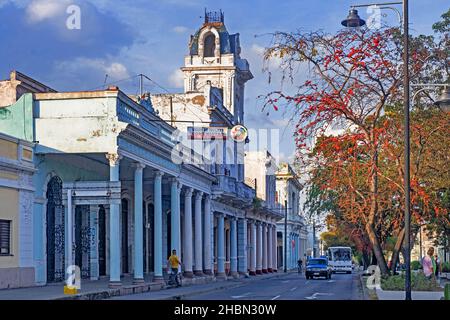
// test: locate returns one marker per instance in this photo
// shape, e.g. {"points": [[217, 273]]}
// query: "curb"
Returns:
{"points": [[136, 289]]}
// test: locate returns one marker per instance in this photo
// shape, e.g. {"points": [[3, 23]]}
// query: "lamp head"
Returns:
{"points": [[443, 102], [353, 20]]}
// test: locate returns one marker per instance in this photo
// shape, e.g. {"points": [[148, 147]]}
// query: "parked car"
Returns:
{"points": [[318, 267]]}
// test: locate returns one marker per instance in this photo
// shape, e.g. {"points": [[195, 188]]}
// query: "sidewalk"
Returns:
{"points": [[415, 295], [98, 289]]}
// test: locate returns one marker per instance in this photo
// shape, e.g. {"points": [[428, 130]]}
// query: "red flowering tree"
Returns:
{"points": [[344, 136]]}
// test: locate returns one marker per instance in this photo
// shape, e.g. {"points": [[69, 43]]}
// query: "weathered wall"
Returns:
{"points": [[8, 94], [78, 125], [17, 119]]}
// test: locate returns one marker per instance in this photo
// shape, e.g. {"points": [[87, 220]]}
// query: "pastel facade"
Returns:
{"points": [[16, 212]]}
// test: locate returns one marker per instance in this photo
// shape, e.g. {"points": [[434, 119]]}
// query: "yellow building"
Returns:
{"points": [[16, 208]]}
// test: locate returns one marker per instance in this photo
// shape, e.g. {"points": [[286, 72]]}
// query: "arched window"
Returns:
{"points": [[210, 45]]}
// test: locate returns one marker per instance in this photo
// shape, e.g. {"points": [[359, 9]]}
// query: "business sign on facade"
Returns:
{"points": [[207, 133]]}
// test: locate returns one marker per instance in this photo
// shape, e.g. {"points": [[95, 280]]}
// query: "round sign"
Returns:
{"points": [[239, 133]]}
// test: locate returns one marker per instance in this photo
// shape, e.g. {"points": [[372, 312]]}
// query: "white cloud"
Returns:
{"points": [[176, 79], [115, 70], [39, 10], [180, 29], [258, 51]]}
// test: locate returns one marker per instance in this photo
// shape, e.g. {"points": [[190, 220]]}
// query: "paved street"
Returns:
{"points": [[291, 286]]}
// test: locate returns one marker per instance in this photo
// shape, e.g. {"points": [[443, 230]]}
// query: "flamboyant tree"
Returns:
{"points": [[342, 125]]}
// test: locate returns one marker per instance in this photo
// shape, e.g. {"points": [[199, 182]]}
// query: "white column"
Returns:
{"points": [[114, 223], [253, 249], [233, 244], [93, 222], [207, 265], [187, 243], [242, 246], [175, 215], [221, 246], [198, 234], [69, 239], [138, 224], [259, 248], [269, 248], [158, 246], [264, 248], [274, 249]]}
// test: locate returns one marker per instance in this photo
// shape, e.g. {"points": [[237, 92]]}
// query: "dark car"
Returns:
{"points": [[318, 267]]}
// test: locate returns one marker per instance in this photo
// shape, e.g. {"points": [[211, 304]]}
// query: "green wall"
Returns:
{"points": [[17, 119]]}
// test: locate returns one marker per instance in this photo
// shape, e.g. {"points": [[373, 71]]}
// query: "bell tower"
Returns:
{"points": [[214, 58]]}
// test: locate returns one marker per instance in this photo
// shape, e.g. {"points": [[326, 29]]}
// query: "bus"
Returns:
{"points": [[340, 259]]}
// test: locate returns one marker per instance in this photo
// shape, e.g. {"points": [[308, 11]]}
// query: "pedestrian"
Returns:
{"points": [[438, 265], [299, 264], [428, 268], [174, 263]]}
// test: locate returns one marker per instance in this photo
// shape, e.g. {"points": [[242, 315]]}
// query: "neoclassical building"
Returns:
{"points": [[212, 103], [109, 195], [117, 186]]}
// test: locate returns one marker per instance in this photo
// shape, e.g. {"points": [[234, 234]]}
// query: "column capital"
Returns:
{"points": [[198, 195], [188, 192], [158, 174], [207, 196], [113, 158], [139, 165], [173, 179]]}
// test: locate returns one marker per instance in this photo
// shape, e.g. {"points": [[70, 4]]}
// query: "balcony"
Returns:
{"points": [[230, 191]]}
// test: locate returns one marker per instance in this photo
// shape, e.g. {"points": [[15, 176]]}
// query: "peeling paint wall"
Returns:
{"points": [[78, 125]]}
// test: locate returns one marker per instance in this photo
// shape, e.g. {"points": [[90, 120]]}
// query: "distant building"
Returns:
{"points": [[260, 173], [288, 190]]}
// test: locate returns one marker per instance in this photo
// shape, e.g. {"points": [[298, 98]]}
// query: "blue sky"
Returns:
{"points": [[125, 38]]}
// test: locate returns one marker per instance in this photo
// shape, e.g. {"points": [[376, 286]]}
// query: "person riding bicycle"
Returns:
{"points": [[299, 265], [174, 263]]}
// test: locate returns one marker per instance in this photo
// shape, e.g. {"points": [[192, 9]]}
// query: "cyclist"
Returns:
{"points": [[299, 265], [174, 263]]}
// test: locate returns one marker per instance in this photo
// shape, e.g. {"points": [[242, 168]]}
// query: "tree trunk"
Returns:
{"points": [[366, 261], [370, 224], [376, 247], [397, 248]]}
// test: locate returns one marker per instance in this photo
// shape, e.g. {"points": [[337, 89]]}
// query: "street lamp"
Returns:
{"points": [[355, 21], [443, 101]]}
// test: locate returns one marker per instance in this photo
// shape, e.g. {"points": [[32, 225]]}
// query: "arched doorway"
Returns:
{"points": [[55, 231]]}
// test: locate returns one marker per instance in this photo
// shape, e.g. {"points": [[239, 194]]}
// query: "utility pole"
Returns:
{"points": [[285, 235], [314, 239], [141, 85]]}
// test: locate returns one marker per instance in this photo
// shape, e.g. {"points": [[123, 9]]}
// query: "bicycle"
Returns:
{"points": [[175, 279]]}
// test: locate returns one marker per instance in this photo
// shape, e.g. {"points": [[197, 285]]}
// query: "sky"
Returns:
{"points": [[129, 37]]}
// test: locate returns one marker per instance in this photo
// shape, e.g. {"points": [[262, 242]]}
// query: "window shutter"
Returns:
{"points": [[5, 236]]}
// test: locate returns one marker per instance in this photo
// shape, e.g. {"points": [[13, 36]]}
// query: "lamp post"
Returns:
{"points": [[352, 21], [285, 235]]}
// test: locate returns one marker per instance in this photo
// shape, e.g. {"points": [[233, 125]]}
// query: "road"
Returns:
{"points": [[291, 287]]}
